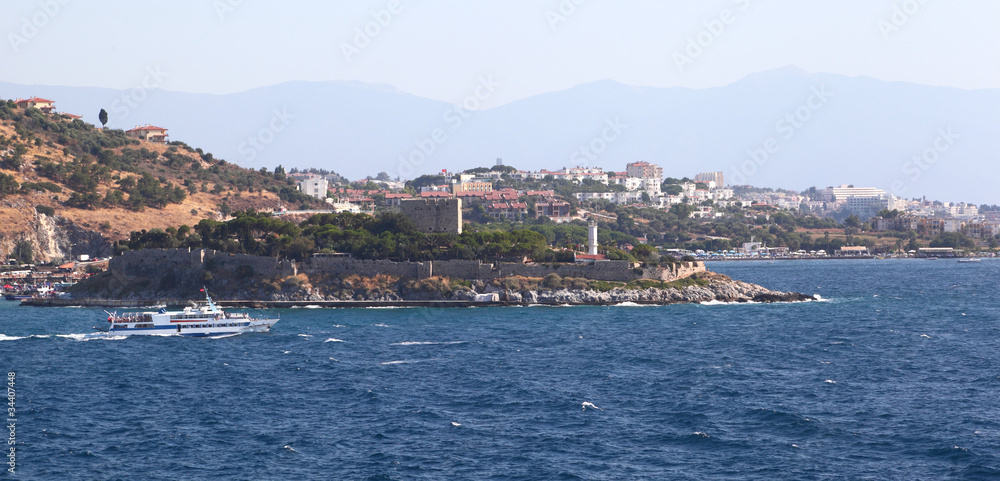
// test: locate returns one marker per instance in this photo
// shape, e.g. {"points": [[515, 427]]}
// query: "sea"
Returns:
{"points": [[892, 374]]}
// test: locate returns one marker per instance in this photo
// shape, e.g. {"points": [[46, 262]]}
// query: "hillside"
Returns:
{"points": [[69, 188], [861, 131]]}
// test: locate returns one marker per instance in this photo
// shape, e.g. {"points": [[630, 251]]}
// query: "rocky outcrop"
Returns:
{"points": [[720, 288], [53, 238]]}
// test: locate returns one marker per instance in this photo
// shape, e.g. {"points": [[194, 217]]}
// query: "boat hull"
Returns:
{"points": [[256, 325]]}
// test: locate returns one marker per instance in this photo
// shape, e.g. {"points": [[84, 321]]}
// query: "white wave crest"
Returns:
{"points": [[427, 343], [4, 337], [408, 361], [716, 302], [222, 336], [334, 339]]}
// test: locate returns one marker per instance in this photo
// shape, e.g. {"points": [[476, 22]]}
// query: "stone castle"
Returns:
{"points": [[185, 266], [434, 216]]}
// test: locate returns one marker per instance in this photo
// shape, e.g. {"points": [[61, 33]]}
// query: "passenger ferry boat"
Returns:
{"points": [[205, 320]]}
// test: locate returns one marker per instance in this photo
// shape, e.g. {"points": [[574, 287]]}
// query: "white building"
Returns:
{"points": [[842, 192], [314, 187], [620, 198], [577, 174]]}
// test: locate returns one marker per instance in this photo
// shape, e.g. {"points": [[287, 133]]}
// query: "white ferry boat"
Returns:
{"points": [[205, 320]]}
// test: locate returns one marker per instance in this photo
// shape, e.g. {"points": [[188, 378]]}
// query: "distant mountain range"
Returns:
{"points": [[782, 128]]}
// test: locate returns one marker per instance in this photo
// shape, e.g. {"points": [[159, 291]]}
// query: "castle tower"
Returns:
{"points": [[592, 238]]}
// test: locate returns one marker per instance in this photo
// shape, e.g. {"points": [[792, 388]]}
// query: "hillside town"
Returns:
{"points": [[503, 193]]}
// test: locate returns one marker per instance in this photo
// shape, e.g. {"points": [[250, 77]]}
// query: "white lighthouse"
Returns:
{"points": [[592, 238]]}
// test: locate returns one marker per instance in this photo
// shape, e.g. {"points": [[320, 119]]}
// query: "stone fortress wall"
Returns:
{"points": [[434, 216], [188, 263]]}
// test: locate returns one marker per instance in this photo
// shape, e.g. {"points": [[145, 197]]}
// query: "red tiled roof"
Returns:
{"points": [[147, 127], [589, 257], [435, 194], [34, 99], [398, 196]]}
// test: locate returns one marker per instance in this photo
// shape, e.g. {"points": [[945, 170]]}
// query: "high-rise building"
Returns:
{"points": [[644, 170], [711, 177]]}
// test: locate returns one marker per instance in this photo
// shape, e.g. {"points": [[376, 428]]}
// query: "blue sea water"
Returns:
{"points": [[894, 375]]}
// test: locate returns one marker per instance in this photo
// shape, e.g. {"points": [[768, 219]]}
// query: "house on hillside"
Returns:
{"points": [[435, 195], [554, 209], [395, 199], [45, 105], [148, 132], [314, 186], [507, 210]]}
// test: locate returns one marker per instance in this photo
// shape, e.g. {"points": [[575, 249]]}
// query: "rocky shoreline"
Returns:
{"points": [[720, 289]]}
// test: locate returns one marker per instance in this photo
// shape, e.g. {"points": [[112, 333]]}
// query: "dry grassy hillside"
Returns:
{"points": [[70, 167]]}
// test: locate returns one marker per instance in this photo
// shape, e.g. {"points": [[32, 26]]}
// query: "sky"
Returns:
{"points": [[438, 48]]}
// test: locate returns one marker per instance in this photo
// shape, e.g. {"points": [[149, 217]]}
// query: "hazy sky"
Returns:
{"points": [[438, 48]]}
